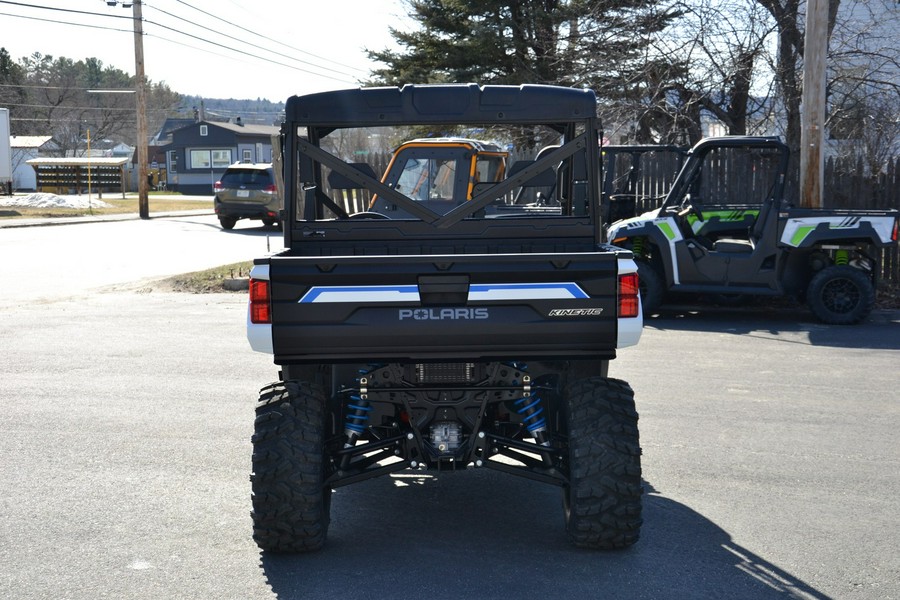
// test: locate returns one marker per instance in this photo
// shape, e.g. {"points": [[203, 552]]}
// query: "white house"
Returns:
{"points": [[24, 148]]}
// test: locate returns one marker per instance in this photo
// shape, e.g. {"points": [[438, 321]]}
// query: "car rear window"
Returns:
{"points": [[236, 177]]}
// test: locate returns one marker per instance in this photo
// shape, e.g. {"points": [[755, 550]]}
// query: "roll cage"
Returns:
{"points": [[570, 113]]}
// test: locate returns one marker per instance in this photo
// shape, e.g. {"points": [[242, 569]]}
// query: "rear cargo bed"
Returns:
{"points": [[360, 308]]}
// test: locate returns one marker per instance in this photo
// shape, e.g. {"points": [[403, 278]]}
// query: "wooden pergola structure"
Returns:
{"points": [[77, 175]]}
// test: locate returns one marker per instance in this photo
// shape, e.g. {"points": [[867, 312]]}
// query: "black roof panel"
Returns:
{"points": [[427, 104]]}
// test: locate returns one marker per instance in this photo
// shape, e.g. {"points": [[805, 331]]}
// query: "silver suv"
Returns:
{"points": [[247, 191]]}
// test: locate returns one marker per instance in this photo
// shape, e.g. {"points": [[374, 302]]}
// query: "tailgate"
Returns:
{"points": [[522, 306]]}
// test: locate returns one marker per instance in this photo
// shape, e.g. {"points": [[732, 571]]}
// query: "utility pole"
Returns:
{"points": [[812, 117], [141, 108]]}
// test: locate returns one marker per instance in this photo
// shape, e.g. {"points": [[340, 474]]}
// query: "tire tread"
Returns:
{"points": [[603, 507], [290, 503]]}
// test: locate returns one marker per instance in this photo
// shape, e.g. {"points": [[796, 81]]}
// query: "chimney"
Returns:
{"points": [[238, 122]]}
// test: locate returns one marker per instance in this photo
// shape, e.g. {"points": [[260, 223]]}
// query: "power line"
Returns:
{"points": [[235, 50], [183, 33], [265, 37], [268, 60], [231, 52], [63, 22], [68, 10], [231, 37], [65, 107], [184, 45], [52, 87]]}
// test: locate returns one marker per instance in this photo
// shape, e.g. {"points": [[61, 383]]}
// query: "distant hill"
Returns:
{"points": [[258, 112]]}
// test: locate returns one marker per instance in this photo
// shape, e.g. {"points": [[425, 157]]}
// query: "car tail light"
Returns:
{"points": [[270, 189], [218, 187], [894, 235], [629, 296], [260, 301]]}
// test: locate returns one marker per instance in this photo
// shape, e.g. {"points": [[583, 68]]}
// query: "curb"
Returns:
{"points": [[18, 223], [238, 284]]}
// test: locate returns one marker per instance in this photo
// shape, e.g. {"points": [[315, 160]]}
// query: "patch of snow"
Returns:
{"points": [[42, 200]]}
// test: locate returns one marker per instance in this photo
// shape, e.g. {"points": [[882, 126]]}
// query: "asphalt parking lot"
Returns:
{"points": [[770, 467]]}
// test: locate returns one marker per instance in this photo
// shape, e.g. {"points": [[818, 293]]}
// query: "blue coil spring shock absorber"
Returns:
{"points": [[529, 406], [357, 418]]}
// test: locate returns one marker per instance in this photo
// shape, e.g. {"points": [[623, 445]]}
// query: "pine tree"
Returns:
{"points": [[582, 43]]}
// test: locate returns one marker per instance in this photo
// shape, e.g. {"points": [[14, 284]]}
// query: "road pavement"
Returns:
{"points": [[770, 463]]}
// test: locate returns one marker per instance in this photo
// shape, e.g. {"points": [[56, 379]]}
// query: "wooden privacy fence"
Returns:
{"points": [[357, 200], [847, 186]]}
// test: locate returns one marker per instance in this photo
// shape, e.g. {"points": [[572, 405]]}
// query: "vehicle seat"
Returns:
{"points": [[544, 179], [756, 232]]}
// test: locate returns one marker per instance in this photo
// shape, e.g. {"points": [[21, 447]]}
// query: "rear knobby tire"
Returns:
{"points": [[841, 295], [602, 502], [291, 503], [652, 287]]}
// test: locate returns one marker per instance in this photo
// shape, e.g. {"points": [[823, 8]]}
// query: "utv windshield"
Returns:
{"points": [[427, 179]]}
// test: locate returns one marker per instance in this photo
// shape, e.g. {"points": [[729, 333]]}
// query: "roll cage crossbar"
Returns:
{"points": [[479, 201], [570, 112]]}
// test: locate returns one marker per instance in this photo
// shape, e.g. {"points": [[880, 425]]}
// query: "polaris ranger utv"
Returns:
{"points": [[440, 335], [725, 228]]}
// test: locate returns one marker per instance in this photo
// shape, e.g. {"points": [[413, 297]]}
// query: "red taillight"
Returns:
{"points": [[894, 235], [270, 189], [629, 296], [260, 301], [218, 187]]}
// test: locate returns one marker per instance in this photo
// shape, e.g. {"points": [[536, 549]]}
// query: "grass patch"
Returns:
{"points": [[119, 206], [208, 281]]}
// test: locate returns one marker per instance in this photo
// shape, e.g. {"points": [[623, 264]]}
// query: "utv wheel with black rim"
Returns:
{"points": [[291, 503], [602, 501], [841, 295], [652, 287]]}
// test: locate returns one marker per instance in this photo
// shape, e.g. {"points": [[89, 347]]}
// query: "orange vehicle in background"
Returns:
{"points": [[437, 171]]}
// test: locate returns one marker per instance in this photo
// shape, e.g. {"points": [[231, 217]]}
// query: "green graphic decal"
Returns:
{"points": [[666, 229], [723, 216], [801, 234]]}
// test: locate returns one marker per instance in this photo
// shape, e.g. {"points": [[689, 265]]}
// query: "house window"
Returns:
{"points": [[200, 159], [221, 158], [204, 130], [173, 161], [247, 156], [210, 159]]}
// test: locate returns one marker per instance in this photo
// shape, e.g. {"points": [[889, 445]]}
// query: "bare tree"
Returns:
{"points": [[864, 84], [49, 96], [712, 61], [740, 63]]}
